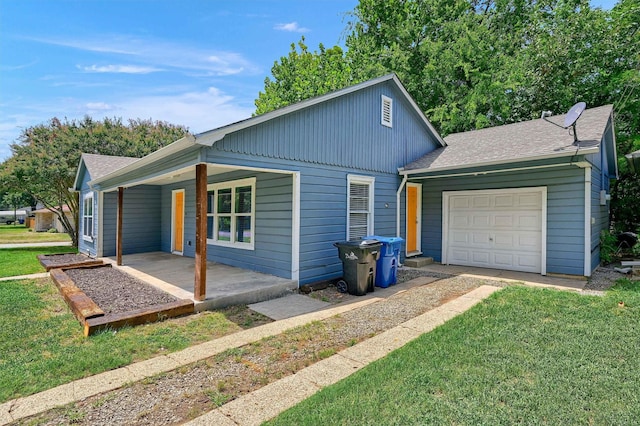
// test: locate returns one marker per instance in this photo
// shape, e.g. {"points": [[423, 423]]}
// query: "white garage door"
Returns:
{"points": [[501, 229]]}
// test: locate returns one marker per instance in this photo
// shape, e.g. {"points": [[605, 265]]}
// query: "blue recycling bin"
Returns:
{"points": [[387, 264]]}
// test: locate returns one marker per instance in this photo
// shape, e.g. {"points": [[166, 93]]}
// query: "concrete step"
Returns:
{"points": [[418, 262]]}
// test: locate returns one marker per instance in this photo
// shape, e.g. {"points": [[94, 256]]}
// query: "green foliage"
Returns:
{"points": [[608, 247], [625, 204], [45, 157], [302, 75]]}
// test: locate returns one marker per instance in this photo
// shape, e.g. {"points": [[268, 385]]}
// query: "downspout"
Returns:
{"points": [[398, 192]]}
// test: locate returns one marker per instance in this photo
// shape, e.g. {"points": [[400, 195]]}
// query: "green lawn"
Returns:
{"points": [[10, 234], [42, 346], [23, 261], [525, 356]]}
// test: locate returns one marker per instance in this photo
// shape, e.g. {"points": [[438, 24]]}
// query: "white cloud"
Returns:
{"points": [[291, 27], [125, 69], [198, 110], [95, 107], [160, 55]]}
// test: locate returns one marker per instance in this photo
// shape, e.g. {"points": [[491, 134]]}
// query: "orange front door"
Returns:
{"points": [[178, 221], [413, 218]]}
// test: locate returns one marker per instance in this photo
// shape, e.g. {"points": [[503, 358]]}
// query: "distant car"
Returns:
{"points": [[9, 222]]}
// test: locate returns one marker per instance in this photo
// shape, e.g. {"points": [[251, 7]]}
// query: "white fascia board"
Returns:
{"points": [[76, 181], [418, 110], [164, 152], [585, 151]]}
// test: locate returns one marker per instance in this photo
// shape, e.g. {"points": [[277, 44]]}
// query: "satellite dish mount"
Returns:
{"points": [[570, 119]]}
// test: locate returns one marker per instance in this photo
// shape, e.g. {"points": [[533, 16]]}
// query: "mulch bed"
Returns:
{"points": [[66, 260], [115, 291], [104, 297]]}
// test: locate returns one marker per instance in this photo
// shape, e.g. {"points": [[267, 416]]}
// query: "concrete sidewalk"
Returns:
{"points": [[26, 245], [26, 277], [266, 402]]}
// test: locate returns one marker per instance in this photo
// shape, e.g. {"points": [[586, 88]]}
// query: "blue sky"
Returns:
{"points": [[196, 63]]}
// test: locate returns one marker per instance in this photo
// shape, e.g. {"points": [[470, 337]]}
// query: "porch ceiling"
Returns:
{"points": [[188, 173]]}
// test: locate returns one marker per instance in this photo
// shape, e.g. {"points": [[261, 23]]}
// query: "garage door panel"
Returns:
{"points": [[481, 257], [460, 237], [460, 203], [460, 221], [530, 221], [482, 239], [460, 256], [504, 201], [529, 200], [498, 230], [503, 260], [504, 241], [503, 220]]}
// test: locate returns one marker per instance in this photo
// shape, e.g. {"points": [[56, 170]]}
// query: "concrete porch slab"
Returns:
{"points": [[572, 283], [226, 285]]}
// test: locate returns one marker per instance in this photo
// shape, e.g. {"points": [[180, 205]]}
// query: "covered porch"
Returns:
{"points": [[225, 285]]}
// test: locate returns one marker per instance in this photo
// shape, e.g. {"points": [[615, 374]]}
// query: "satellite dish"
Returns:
{"points": [[570, 119], [574, 113]]}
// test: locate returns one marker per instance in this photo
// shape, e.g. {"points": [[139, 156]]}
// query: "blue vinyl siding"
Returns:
{"points": [[344, 132], [140, 220], [565, 211], [273, 212]]}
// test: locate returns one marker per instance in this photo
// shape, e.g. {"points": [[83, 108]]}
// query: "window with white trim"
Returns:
{"points": [[359, 206], [387, 111], [87, 217], [231, 213]]}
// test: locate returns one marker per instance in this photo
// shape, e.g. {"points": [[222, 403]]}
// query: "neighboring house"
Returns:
{"points": [[45, 219], [274, 192]]}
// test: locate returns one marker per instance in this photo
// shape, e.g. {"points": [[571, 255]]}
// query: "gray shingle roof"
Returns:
{"points": [[101, 165], [516, 142]]}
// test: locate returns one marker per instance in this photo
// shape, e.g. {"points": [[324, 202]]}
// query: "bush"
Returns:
{"points": [[608, 247], [53, 231]]}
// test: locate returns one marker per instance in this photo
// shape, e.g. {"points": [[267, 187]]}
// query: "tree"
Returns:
{"points": [[45, 157], [302, 75]]}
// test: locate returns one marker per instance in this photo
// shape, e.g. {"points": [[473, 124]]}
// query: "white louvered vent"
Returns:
{"points": [[387, 111]]}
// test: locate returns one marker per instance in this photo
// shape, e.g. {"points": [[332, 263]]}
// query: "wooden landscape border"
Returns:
{"points": [[94, 319], [48, 265]]}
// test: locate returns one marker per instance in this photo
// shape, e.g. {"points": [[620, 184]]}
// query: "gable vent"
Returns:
{"points": [[387, 111]]}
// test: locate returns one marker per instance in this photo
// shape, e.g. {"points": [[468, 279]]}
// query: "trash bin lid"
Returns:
{"points": [[359, 244], [369, 242], [384, 240]]}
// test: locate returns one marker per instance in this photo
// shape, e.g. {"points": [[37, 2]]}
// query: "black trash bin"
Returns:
{"points": [[358, 265]]}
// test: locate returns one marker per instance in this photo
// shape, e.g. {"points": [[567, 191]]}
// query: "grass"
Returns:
{"points": [[12, 234], [23, 261], [525, 356], [41, 343]]}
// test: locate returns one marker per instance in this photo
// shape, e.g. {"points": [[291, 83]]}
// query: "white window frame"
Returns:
{"points": [[361, 180], [232, 185], [386, 117], [87, 231]]}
